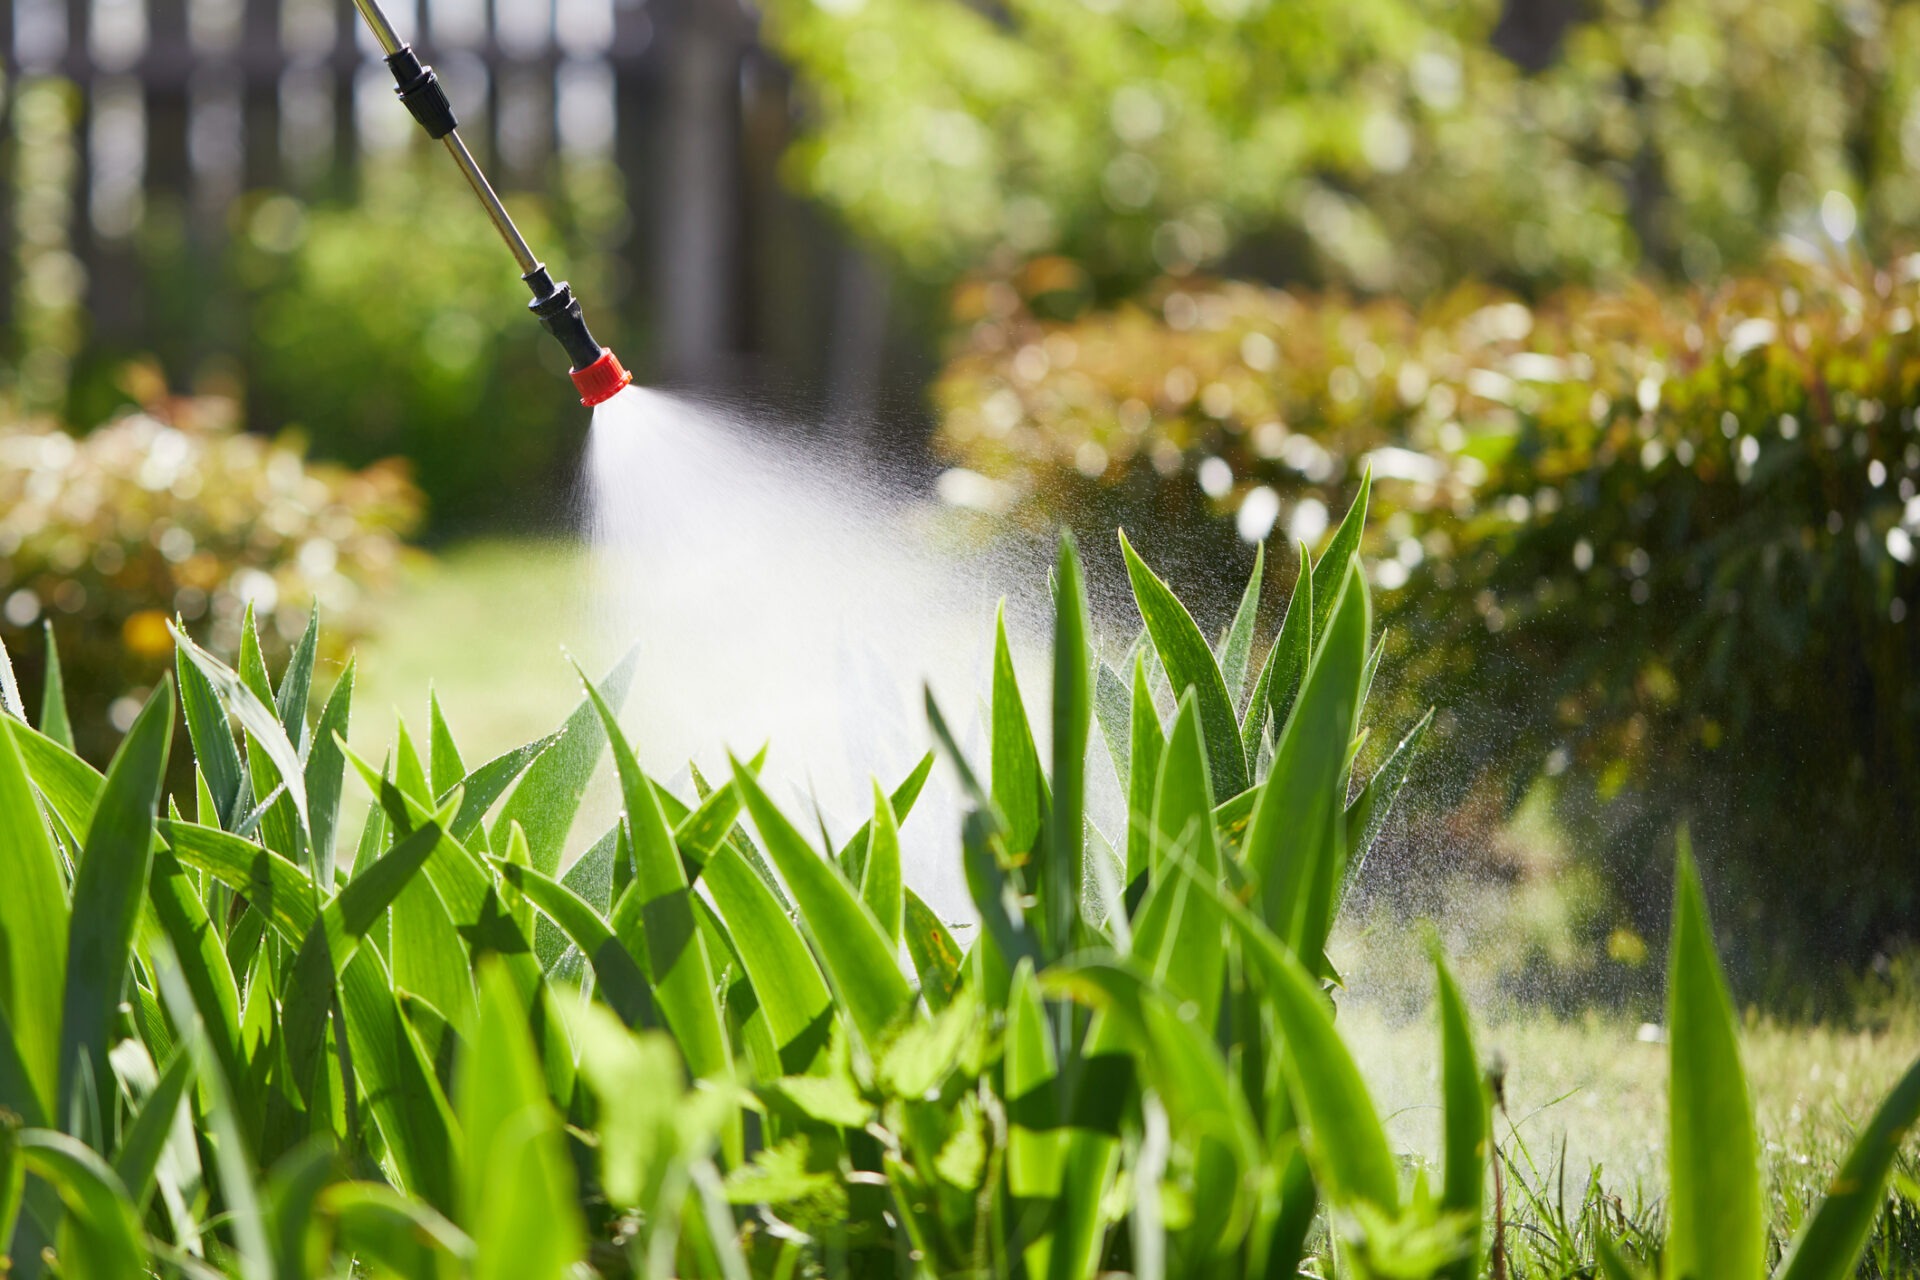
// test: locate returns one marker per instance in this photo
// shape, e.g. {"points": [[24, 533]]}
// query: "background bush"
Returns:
{"points": [[1667, 543], [396, 326], [1388, 145], [167, 512]]}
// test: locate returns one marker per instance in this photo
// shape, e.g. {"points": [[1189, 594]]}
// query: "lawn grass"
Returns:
{"points": [[486, 623]]}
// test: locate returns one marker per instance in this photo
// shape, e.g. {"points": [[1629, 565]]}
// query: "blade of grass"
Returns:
{"points": [[1147, 743], [1833, 1240], [111, 878], [617, 975], [101, 1235], [785, 978]]}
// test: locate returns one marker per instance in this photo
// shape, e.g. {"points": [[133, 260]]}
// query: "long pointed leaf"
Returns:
{"points": [[111, 879], [1190, 665]]}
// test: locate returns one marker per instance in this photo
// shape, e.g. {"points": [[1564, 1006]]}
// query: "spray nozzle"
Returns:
{"points": [[595, 370]]}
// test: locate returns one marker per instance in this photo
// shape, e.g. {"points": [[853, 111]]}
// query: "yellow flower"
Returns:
{"points": [[145, 634]]}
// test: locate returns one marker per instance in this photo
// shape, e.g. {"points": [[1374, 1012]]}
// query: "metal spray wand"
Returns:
{"points": [[596, 371]]}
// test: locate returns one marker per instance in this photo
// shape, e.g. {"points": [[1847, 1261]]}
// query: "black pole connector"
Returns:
{"points": [[418, 87], [560, 312]]}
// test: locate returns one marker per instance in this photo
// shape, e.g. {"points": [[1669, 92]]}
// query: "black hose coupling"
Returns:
{"points": [[559, 311], [419, 88]]}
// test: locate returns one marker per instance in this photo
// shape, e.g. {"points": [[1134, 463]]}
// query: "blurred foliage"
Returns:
{"points": [[1387, 145], [171, 512], [397, 326], [1666, 541]]}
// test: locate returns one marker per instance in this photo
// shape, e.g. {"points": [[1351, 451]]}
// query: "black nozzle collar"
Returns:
{"points": [[560, 312], [418, 87]]}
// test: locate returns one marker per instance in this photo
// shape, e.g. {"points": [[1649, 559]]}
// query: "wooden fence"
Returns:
{"points": [[174, 108]]}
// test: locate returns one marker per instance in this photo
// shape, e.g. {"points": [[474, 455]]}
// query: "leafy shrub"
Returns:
{"points": [[1384, 145], [169, 512], [1671, 540], [396, 326], [1133, 1066]]}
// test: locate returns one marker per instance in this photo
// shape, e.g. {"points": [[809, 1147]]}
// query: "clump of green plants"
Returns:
{"points": [[1653, 550], [171, 512], [239, 1041]]}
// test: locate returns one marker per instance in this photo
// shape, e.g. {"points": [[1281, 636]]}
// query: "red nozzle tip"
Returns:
{"points": [[600, 381]]}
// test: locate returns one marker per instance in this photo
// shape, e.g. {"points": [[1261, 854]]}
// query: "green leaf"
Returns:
{"points": [[1019, 791], [517, 1185], [10, 703], [251, 708], [880, 884], [214, 748], [936, 956], [297, 681], [1335, 564], [1286, 666], [1190, 665], [1294, 839], [276, 888], [232, 1161], [139, 1154], [617, 975], [487, 783], [448, 768], [655, 918], [1237, 648], [853, 854], [1063, 869], [33, 938], [68, 784], [325, 774], [1717, 1221], [397, 1078], [549, 794], [1184, 952], [1468, 1119], [852, 946], [53, 696], [177, 906], [642, 1094], [101, 1234], [1345, 1140], [1147, 743], [1177, 1057], [386, 1229], [1829, 1246], [111, 879], [1036, 1119], [1369, 811], [1113, 711]]}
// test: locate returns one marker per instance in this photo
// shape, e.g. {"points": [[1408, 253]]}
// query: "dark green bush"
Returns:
{"points": [[171, 513], [1670, 543], [397, 326], [1383, 144]]}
